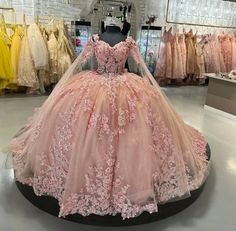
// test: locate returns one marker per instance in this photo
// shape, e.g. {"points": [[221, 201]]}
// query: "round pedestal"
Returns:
{"points": [[50, 205]]}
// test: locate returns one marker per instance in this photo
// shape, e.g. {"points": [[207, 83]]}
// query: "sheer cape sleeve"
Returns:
{"points": [[191, 140], [77, 65], [139, 64], [74, 69]]}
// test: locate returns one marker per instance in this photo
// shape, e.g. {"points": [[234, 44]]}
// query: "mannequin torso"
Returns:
{"points": [[112, 35]]}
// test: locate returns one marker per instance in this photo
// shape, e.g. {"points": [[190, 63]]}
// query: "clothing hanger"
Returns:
{"points": [[24, 20], [51, 22], [170, 30], [36, 19]]}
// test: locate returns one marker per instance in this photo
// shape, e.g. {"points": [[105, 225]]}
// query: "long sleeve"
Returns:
{"points": [[140, 64], [74, 69], [78, 64]]}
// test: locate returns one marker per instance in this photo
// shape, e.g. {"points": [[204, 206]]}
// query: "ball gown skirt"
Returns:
{"points": [[108, 141]]}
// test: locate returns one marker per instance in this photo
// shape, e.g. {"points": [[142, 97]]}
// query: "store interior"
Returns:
{"points": [[171, 58]]}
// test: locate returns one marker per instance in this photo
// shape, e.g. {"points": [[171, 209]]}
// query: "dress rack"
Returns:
{"points": [[7, 8], [192, 24]]}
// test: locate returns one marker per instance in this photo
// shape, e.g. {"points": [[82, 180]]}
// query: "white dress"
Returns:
{"points": [[38, 47]]}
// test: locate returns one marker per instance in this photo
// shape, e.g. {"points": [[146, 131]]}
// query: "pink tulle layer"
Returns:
{"points": [[109, 144]]}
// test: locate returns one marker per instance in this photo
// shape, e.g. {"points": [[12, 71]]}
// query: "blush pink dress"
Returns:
{"points": [[217, 57], [177, 59], [233, 41], [164, 61], [107, 141], [200, 63], [183, 53], [208, 56], [226, 49]]}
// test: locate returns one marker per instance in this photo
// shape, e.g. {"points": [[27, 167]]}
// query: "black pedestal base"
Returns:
{"points": [[50, 205]]}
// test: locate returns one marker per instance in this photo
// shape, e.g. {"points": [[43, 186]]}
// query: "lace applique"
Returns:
{"points": [[168, 179], [101, 123], [54, 166], [199, 145], [112, 60], [103, 194], [88, 105], [36, 132]]}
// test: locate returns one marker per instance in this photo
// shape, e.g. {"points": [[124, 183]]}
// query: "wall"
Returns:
{"points": [[45, 9]]}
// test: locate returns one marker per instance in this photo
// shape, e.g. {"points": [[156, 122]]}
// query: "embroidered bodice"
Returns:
{"points": [[111, 59]]}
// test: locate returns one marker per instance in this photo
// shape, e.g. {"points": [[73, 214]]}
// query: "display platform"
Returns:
{"points": [[50, 205]]}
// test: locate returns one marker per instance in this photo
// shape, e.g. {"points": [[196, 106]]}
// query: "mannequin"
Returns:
{"points": [[112, 35]]}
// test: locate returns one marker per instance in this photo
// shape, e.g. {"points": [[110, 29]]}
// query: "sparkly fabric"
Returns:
{"points": [[26, 75], [108, 142]]}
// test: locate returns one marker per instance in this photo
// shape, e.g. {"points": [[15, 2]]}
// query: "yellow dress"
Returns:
{"points": [[15, 51], [6, 74]]}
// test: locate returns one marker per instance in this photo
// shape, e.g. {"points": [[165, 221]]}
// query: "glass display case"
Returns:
{"points": [[80, 33], [149, 42]]}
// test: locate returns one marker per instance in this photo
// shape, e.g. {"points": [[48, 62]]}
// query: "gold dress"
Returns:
{"points": [[191, 55], [26, 74]]}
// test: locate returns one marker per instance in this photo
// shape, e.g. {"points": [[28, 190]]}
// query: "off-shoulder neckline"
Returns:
{"points": [[97, 39]]}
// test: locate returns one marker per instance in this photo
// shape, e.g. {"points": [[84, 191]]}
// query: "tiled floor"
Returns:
{"points": [[215, 210]]}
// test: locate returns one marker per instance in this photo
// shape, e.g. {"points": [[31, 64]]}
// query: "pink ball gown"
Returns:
{"points": [[107, 141]]}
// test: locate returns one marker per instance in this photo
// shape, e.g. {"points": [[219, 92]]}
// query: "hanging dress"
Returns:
{"points": [[64, 57], [226, 49], [190, 54], [177, 61], [163, 67], [200, 63], [26, 75], [6, 74], [53, 57], [15, 51], [183, 52], [38, 47], [233, 41], [207, 53], [217, 57]]}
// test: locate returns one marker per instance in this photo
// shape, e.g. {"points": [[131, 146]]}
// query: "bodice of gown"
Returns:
{"points": [[111, 60]]}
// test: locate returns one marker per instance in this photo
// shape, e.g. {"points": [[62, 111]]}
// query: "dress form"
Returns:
{"points": [[112, 35]]}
